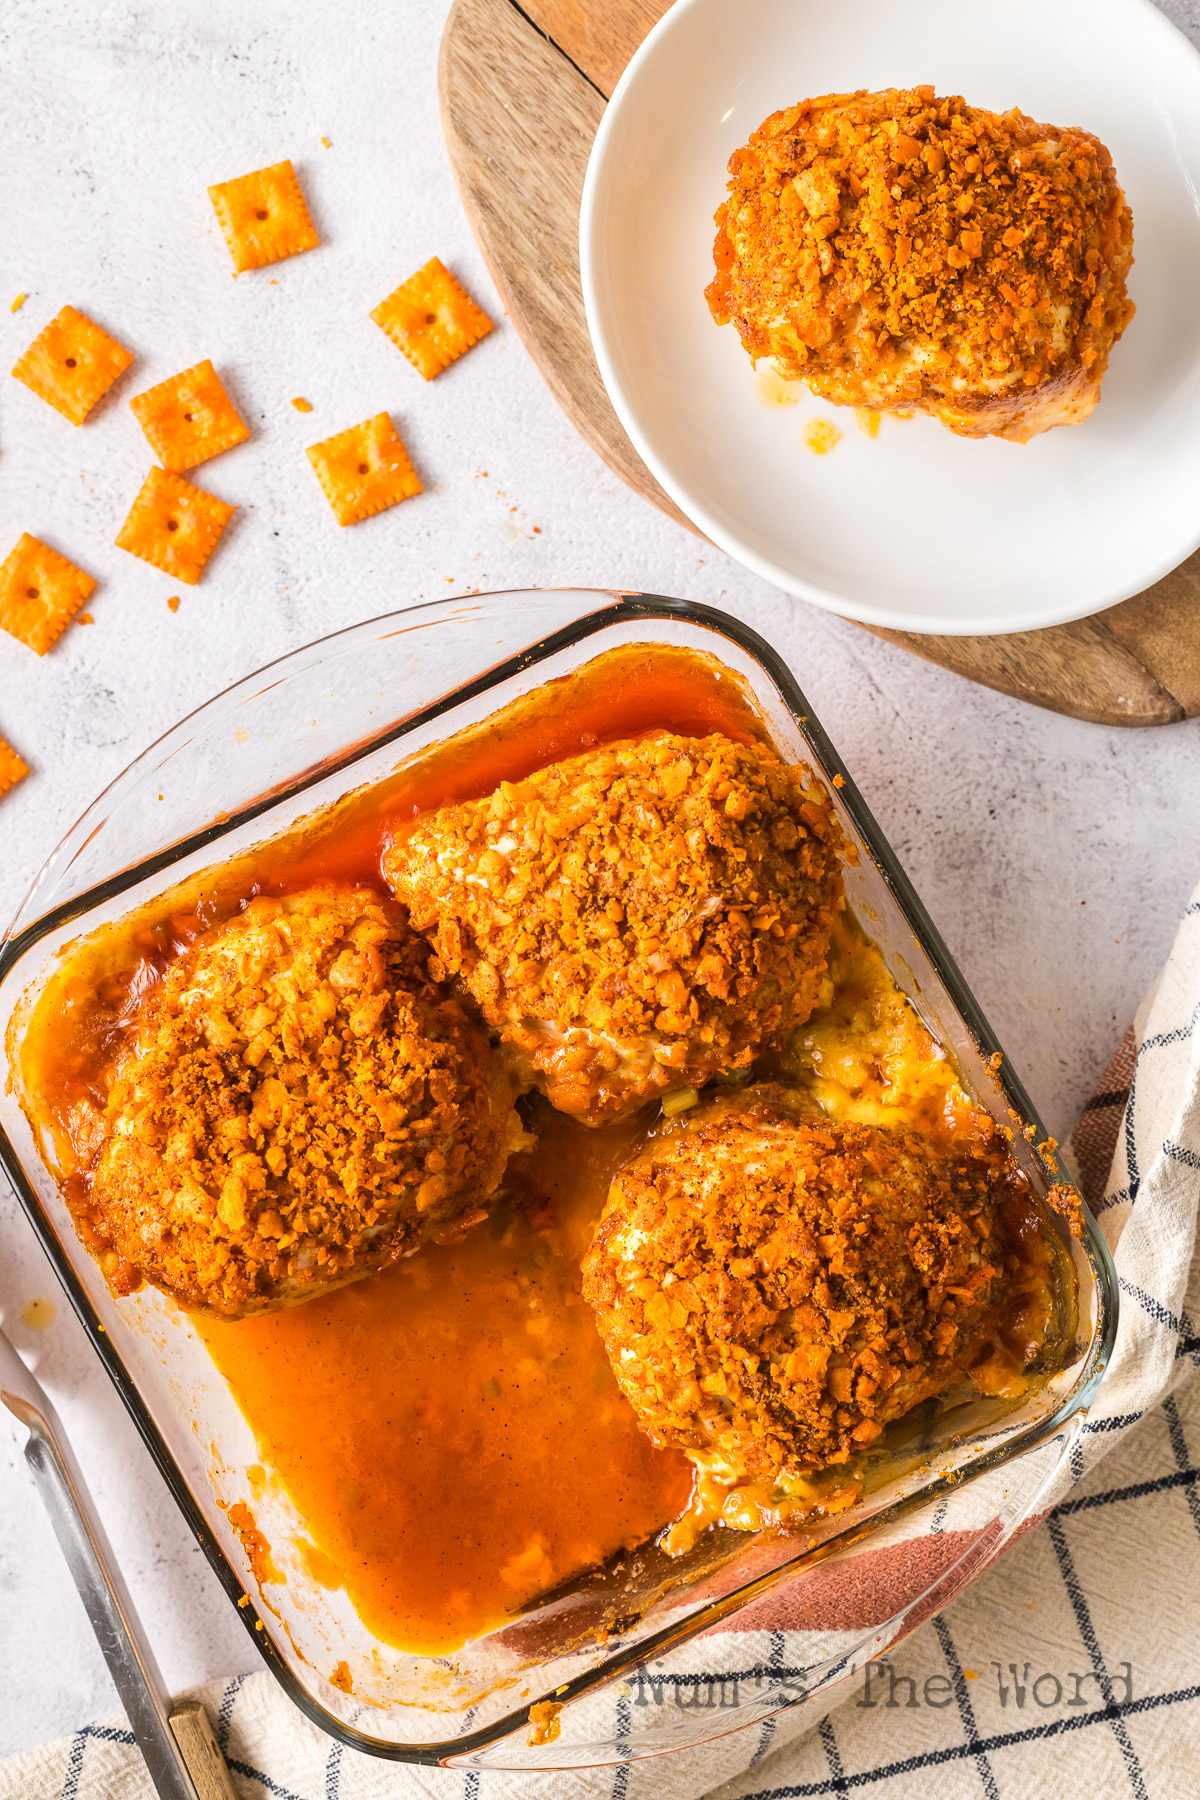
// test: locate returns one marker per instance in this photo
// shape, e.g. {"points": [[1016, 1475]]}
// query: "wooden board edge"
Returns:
{"points": [[1128, 695], [611, 444]]}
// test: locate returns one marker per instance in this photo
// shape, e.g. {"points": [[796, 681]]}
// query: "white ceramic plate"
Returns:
{"points": [[915, 529]]}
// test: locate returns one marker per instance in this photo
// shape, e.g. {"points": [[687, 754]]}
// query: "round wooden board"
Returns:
{"points": [[522, 92]]}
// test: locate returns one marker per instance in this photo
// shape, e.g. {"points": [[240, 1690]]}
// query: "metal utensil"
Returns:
{"points": [[156, 1726]]}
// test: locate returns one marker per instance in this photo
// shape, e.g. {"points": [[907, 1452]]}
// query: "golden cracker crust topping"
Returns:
{"points": [[300, 1105], [634, 919], [897, 250], [773, 1288]]}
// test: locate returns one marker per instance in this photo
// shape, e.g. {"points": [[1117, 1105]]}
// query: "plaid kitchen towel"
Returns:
{"points": [[1074, 1663]]}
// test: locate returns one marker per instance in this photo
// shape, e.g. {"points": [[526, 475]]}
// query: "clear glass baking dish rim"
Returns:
{"points": [[624, 606]]}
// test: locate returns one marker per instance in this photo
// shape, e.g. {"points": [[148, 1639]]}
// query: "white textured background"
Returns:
{"points": [[1054, 856]]}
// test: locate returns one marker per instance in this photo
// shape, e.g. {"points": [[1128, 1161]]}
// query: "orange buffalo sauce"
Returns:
{"points": [[450, 1429]]}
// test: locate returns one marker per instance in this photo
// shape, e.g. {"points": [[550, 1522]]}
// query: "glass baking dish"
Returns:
{"points": [[626, 1650]]}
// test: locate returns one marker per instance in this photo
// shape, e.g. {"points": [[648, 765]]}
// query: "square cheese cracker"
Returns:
{"points": [[432, 319], [189, 418], [174, 525], [364, 470], [40, 593], [72, 364], [12, 767], [264, 217]]}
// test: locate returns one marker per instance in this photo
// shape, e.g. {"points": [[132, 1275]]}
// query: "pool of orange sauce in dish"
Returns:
{"points": [[450, 1428]]}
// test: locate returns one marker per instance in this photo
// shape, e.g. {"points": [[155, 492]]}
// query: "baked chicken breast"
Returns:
{"points": [[635, 919], [772, 1288], [897, 251], [300, 1105]]}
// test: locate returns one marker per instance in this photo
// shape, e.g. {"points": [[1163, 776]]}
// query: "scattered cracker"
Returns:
{"points": [[264, 217], [364, 470], [173, 603], [432, 319], [12, 767], [85, 619], [18, 303], [40, 593], [174, 525], [302, 405], [72, 364], [189, 418], [327, 143]]}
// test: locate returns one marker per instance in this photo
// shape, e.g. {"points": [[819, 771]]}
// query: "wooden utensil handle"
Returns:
{"points": [[201, 1752]]}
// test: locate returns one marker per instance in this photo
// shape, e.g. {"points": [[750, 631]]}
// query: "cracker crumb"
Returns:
{"points": [[544, 1723], [173, 603], [18, 303], [301, 404]]}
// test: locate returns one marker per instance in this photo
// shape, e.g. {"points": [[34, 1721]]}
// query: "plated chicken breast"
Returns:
{"points": [[299, 1106], [897, 251], [633, 920], [772, 1287]]}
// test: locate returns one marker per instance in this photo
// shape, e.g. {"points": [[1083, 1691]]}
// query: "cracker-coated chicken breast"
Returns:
{"points": [[901, 252], [635, 919], [772, 1287], [300, 1105]]}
